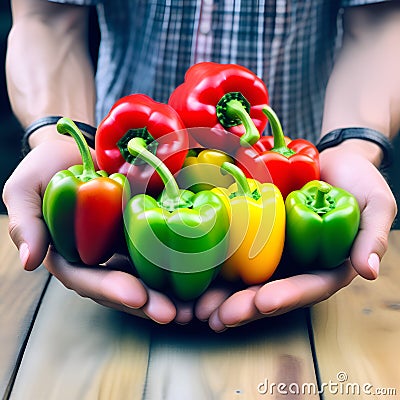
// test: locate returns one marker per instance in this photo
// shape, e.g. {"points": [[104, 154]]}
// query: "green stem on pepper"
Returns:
{"points": [[66, 126], [173, 198], [321, 204], [233, 109], [277, 132], [241, 181]]}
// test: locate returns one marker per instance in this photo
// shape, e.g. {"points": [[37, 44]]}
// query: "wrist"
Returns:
{"points": [[44, 134], [44, 129], [368, 150], [369, 143]]}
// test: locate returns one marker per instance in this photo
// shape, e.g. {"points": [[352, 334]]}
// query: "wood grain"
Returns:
{"points": [[242, 363], [79, 350], [20, 293], [357, 333]]}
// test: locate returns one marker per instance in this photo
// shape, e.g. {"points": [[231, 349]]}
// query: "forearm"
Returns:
{"points": [[364, 88], [48, 67]]}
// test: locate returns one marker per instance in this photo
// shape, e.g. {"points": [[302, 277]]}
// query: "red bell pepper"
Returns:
{"points": [[137, 115], [225, 97], [289, 164]]}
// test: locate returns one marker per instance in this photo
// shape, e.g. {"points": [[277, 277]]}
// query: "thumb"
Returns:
{"points": [[371, 242], [22, 196], [26, 226]]}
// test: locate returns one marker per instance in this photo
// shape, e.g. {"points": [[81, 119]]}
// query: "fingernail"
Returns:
{"points": [[182, 323], [24, 254], [271, 311], [374, 262], [234, 325], [133, 307]]}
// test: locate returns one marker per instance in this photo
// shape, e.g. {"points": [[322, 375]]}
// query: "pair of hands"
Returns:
{"points": [[114, 287]]}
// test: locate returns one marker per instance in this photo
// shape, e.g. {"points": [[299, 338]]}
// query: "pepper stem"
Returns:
{"points": [[277, 132], [320, 204], [66, 126], [137, 147], [240, 178], [233, 109]]}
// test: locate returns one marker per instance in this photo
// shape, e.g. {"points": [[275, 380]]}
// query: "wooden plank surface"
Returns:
{"points": [[20, 293], [243, 363], [357, 334], [79, 350]]}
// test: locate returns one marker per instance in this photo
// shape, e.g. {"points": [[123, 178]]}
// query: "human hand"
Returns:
{"points": [[224, 309], [113, 285], [23, 194], [347, 166]]}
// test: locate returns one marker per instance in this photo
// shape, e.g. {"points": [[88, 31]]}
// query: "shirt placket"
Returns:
{"points": [[203, 43]]}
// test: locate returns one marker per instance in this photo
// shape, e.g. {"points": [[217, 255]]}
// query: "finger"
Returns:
{"points": [[156, 309], [120, 307], [26, 227], [372, 239], [97, 283], [184, 312], [114, 288], [215, 323], [236, 310], [210, 301], [280, 296], [159, 307]]}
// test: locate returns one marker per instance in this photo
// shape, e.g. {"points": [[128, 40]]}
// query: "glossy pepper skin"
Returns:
{"points": [[178, 242], [289, 164], [83, 208], [137, 115], [322, 222], [202, 170], [257, 231], [224, 97]]}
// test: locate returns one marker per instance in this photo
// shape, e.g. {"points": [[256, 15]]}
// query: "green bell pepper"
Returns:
{"points": [[321, 224], [178, 242]]}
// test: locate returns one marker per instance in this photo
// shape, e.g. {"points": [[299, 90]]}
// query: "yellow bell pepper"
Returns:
{"points": [[202, 170], [257, 228]]}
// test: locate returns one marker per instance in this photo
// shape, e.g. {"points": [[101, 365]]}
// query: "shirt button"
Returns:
{"points": [[205, 28]]}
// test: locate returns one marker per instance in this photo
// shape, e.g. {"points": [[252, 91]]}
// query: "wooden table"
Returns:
{"points": [[57, 345]]}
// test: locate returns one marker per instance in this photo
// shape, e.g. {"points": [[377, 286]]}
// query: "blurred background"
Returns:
{"points": [[11, 132]]}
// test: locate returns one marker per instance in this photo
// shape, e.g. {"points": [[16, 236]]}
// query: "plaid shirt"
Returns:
{"points": [[148, 45]]}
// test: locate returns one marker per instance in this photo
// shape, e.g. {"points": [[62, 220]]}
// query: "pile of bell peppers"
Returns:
{"points": [[194, 190]]}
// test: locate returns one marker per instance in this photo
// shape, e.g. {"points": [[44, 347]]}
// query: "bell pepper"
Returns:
{"points": [[137, 115], [177, 242], [224, 97], [202, 170], [257, 231], [322, 222], [83, 208], [289, 164]]}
